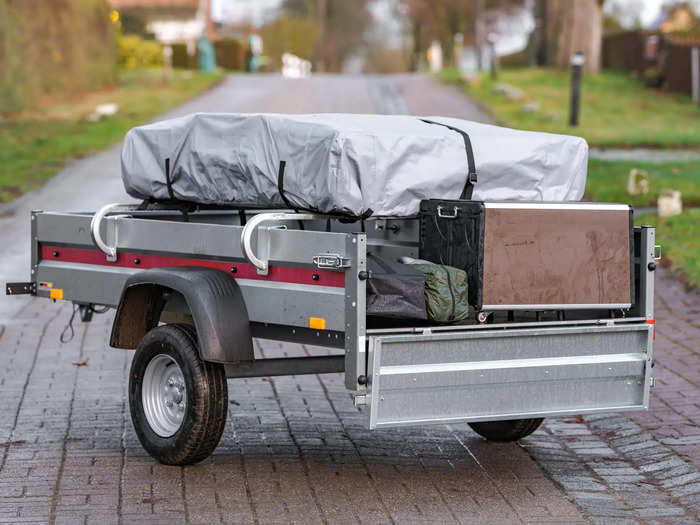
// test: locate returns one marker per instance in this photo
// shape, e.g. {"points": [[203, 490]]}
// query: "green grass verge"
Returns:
{"points": [[34, 145], [616, 110], [607, 181], [679, 238]]}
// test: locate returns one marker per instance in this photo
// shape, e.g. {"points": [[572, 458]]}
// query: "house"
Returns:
{"points": [[169, 20]]}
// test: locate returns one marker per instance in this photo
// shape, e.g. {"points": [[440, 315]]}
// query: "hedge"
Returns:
{"points": [[54, 47], [230, 54]]}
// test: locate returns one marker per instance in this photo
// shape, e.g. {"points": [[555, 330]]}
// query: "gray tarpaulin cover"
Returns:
{"points": [[344, 163]]}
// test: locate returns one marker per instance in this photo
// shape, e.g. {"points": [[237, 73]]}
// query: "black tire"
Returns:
{"points": [[504, 431], [205, 410]]}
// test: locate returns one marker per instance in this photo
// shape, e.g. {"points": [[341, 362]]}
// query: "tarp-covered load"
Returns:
{"points": [[357, 165]]}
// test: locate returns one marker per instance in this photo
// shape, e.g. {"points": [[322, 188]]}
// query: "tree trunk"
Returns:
{"points": [[578, 26], [539, 35], [320, 58]]}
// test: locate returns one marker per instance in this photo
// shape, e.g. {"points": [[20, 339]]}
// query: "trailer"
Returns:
{"points": [[194, 285]]}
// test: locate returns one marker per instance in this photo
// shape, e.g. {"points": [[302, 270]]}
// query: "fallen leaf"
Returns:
{"points": [[82, 362], [574, 420]]}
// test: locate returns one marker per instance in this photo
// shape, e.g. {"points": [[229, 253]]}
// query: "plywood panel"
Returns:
{"points": [[556, 256]]}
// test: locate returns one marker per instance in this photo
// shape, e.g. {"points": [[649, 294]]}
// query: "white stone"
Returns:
{"points": [[638, 182], [669, 203]]}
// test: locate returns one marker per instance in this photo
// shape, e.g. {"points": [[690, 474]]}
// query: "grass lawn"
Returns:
{"points": [[616, 109], [679, 237], [35, 144], [607, 181]]}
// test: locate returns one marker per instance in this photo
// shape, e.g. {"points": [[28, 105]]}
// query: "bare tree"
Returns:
{"points": [[572, 27]]}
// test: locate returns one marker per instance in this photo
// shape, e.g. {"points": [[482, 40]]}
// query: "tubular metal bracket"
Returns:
{"points": [[262, 263], [96, 223], [657, 252], [331, 261]]}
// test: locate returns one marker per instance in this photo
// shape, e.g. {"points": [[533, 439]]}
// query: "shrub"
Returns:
{"points": [[54, 47], [181, 59], [230, 54], [135, 52], [292, 35]]}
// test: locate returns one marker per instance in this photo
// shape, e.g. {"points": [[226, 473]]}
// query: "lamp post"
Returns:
{"points": [[577, 61]]}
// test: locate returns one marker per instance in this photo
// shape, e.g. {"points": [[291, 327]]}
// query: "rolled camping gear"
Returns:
{"points": [[351, 165]]}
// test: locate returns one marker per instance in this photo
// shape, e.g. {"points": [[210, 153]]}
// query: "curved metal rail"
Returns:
{"points": [[251, 226], [96, 223]]}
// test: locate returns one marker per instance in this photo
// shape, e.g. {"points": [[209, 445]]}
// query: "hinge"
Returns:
{"points": [[331, 261], [28, 288]]}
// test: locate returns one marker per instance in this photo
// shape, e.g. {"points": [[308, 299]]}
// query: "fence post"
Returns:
{"points": [[695, 73], [577, 60]]}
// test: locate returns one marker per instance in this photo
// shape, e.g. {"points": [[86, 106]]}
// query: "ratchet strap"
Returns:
{"points": [[469, 184]]}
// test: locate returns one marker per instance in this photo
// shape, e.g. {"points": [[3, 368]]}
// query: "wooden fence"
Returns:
{"points": [[670, 56]]}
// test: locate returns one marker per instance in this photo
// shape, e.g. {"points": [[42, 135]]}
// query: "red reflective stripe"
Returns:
{"points": [[651, 321], [284, 274]]}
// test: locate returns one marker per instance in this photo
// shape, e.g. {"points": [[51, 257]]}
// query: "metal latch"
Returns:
{"points": [[657, 252], [20, 288], [331, 261], [361, 400], [446, 214]]}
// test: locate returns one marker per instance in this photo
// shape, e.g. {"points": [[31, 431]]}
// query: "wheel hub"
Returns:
{"points": [[164, 395]]}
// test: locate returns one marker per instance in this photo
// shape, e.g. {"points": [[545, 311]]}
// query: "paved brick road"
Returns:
{"points": [[295, 449]]}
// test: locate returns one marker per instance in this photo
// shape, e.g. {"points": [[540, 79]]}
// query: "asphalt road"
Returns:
{"points": [[295, 449]]}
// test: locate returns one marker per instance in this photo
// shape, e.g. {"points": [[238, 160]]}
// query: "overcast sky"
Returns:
{"points": [[257, 11]]}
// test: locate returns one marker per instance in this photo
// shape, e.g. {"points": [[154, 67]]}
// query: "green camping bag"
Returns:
{"points": [[446, 299]]}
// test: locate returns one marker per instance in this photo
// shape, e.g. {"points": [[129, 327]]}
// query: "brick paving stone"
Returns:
{"points": [[295, 450], [674, 414]]}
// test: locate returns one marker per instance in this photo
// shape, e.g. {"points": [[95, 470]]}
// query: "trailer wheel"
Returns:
{"points": [[178, 402], [503, 431]]}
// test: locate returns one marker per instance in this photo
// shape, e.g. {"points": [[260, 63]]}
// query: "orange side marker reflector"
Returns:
{"points": [[56, 293], [317, 323], [653, 322]]}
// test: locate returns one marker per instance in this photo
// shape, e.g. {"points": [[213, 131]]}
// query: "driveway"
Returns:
{"points": [[295, 449]]}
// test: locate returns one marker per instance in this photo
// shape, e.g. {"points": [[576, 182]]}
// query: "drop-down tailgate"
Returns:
{"points": [[508, 373]]}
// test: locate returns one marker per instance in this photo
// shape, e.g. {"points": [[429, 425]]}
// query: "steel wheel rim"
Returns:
{"points": [[164, 395]]}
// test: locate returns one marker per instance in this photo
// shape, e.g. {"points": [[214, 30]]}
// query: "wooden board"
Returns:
{"points": [[556, 257]]}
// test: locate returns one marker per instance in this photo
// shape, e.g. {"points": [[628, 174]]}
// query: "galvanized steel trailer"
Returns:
{"points": [[191, 290]]}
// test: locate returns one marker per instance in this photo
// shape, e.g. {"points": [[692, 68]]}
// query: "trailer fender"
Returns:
{"points": [[213, 299]]}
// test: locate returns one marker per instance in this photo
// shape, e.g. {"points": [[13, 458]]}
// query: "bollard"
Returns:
{"points": [[577, 60], [695, 73]]}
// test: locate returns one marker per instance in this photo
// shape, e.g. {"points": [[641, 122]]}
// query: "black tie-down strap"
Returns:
{"points": [[343, 217], [469, 184]]}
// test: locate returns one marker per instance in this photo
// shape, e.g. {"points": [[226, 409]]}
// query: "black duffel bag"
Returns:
{"points": [[394, 290]]}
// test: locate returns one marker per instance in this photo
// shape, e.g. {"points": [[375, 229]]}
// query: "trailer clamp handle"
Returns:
{"points": [[330, 261], [262, 262], [96, 223]]}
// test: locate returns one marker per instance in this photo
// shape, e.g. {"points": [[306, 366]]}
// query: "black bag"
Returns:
{"points": [[395, 290], [452, 233]]}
